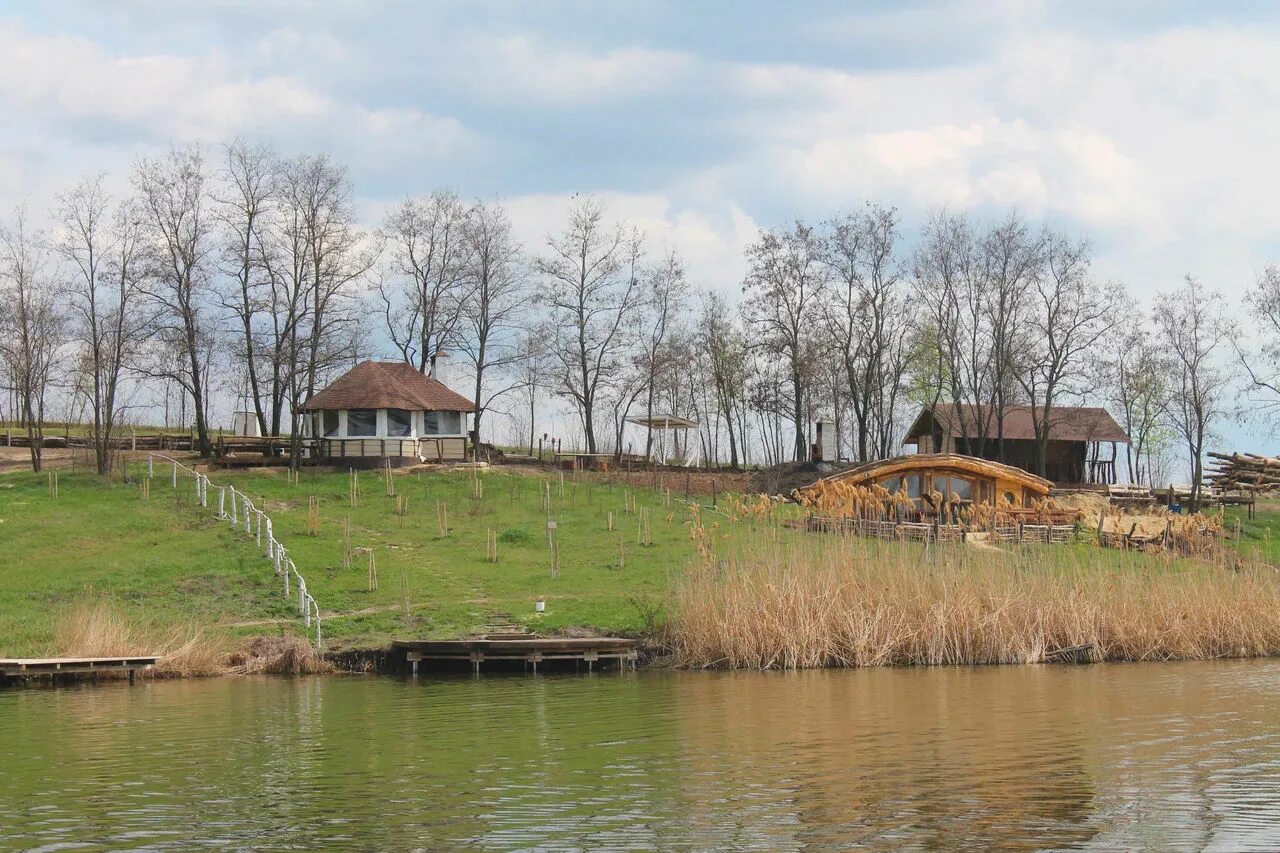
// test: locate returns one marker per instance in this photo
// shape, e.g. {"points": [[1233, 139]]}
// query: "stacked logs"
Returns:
{"points": [[1247, 471]]}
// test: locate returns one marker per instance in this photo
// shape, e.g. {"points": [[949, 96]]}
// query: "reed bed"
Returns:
{"points": [[773, 599], [100, 629]]}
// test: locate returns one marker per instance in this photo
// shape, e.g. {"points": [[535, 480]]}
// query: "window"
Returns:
{"points": [[891, 484], [330, 423], [913, 486], [442, 423], [399, 422], [958, 488], [362, 422]]}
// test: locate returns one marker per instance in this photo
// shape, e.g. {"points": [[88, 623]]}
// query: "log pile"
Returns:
{"points": [[1244, 471]]}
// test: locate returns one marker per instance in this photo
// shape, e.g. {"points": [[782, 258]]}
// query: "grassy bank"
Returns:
{"points": [[164, 562], [738, 587], [781, 601]]}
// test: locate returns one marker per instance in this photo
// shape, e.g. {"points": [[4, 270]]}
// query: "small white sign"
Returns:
{"points": [[551, 525]]}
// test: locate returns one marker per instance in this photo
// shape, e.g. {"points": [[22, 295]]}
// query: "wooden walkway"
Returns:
{"points": [[36, 667], [529, 650]]}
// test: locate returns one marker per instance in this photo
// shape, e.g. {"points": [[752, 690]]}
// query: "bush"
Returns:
{"points": [[515, 536]]}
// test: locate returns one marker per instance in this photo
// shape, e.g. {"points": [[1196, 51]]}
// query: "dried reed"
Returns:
{"points": [[782, 602]]}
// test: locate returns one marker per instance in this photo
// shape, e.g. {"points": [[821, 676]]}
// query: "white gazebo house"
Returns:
{"points": [[383, 411]]}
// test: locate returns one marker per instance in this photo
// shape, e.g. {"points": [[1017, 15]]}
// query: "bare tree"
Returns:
{"points": [[590, 287], [31, 330], [1134, 374], [1010, 262], [102, 247], [785, 279], [530, 367], [495, 303], [726, 353], [1262, 362], [179, 237], [1065, 316], [1195, 330], [427, 266], [666, 293], [867, 318], [317, 262], [245, 201]]}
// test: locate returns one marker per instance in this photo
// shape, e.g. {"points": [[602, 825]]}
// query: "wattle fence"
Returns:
{"points": [[241, 513]]}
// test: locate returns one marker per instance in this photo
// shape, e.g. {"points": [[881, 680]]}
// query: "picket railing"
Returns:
{"points": [[239, 511]]}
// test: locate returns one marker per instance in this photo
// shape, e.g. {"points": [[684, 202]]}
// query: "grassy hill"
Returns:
{"points": [[165, 560]]}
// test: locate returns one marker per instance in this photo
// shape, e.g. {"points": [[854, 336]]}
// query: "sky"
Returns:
{"points": [[1149, 127]]}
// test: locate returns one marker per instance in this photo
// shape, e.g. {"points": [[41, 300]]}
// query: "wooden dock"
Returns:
{"points": [[53, 667], [529, 650]]}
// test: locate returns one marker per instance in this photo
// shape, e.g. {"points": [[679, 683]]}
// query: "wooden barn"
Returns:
{"points": [[930, 479], [1081, 449], [382, 411]]}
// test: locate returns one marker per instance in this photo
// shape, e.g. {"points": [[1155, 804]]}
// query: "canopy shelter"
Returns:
{"points": [[662, 424]]}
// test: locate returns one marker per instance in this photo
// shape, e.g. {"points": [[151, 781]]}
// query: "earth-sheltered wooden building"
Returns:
{"points": [[926, 480], [936, 496], [382, 411]]}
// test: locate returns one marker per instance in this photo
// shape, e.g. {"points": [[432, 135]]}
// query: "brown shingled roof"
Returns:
{"points": [[1066, 423], [387, 385]]}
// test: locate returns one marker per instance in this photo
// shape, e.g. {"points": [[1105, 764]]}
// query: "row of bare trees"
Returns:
{"points": [[246, 272]]}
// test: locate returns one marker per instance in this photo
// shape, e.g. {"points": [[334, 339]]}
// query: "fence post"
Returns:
{"points": [[233, 505], [302, 601], [175, 475], [151, 466], [287, 563], [222, 501]]}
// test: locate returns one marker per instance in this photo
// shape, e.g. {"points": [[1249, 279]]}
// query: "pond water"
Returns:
{"points": [[1107, 757]]}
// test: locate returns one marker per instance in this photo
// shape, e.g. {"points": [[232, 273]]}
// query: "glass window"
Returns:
{"points": [[913, 486], [442, 423], [891, 484], [362, 422], [330, 423], [958, 487], [399, 422]]}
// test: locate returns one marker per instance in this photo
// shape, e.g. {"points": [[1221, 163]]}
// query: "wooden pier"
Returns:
{"points": [[53, 667], [529, 650]]}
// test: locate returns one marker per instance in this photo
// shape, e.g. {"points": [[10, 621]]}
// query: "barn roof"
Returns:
{"points": [[1066, 423], [387, 385], [954, 462]]}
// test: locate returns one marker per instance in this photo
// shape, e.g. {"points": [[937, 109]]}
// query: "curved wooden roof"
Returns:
{"points": [[955, 462], [388, 385]]}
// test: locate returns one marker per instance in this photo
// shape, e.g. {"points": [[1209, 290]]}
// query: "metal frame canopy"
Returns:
{"points": [[663, 422]]}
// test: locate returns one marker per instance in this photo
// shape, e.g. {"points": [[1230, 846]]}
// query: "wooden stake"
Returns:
{"points": [[313, 515], [346, 543], [373, 572]]}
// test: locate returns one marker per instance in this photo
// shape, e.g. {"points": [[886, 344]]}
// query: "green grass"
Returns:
{"points": [[1258, 535], [166, 560]]}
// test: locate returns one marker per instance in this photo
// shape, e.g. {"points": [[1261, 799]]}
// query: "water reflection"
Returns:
{"points": [[1160, 757]]}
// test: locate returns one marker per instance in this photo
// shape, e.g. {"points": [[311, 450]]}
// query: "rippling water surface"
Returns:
{"points": [[1142, 756]]}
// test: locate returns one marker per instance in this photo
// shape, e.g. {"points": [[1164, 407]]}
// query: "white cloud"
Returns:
{"points": [[521, 68]]}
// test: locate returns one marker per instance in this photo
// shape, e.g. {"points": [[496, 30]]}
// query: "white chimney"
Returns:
{"points": [[440, 367]]}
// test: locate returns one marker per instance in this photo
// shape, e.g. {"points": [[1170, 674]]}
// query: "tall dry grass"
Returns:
{"points": [[97, 628], [773, 598]]}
